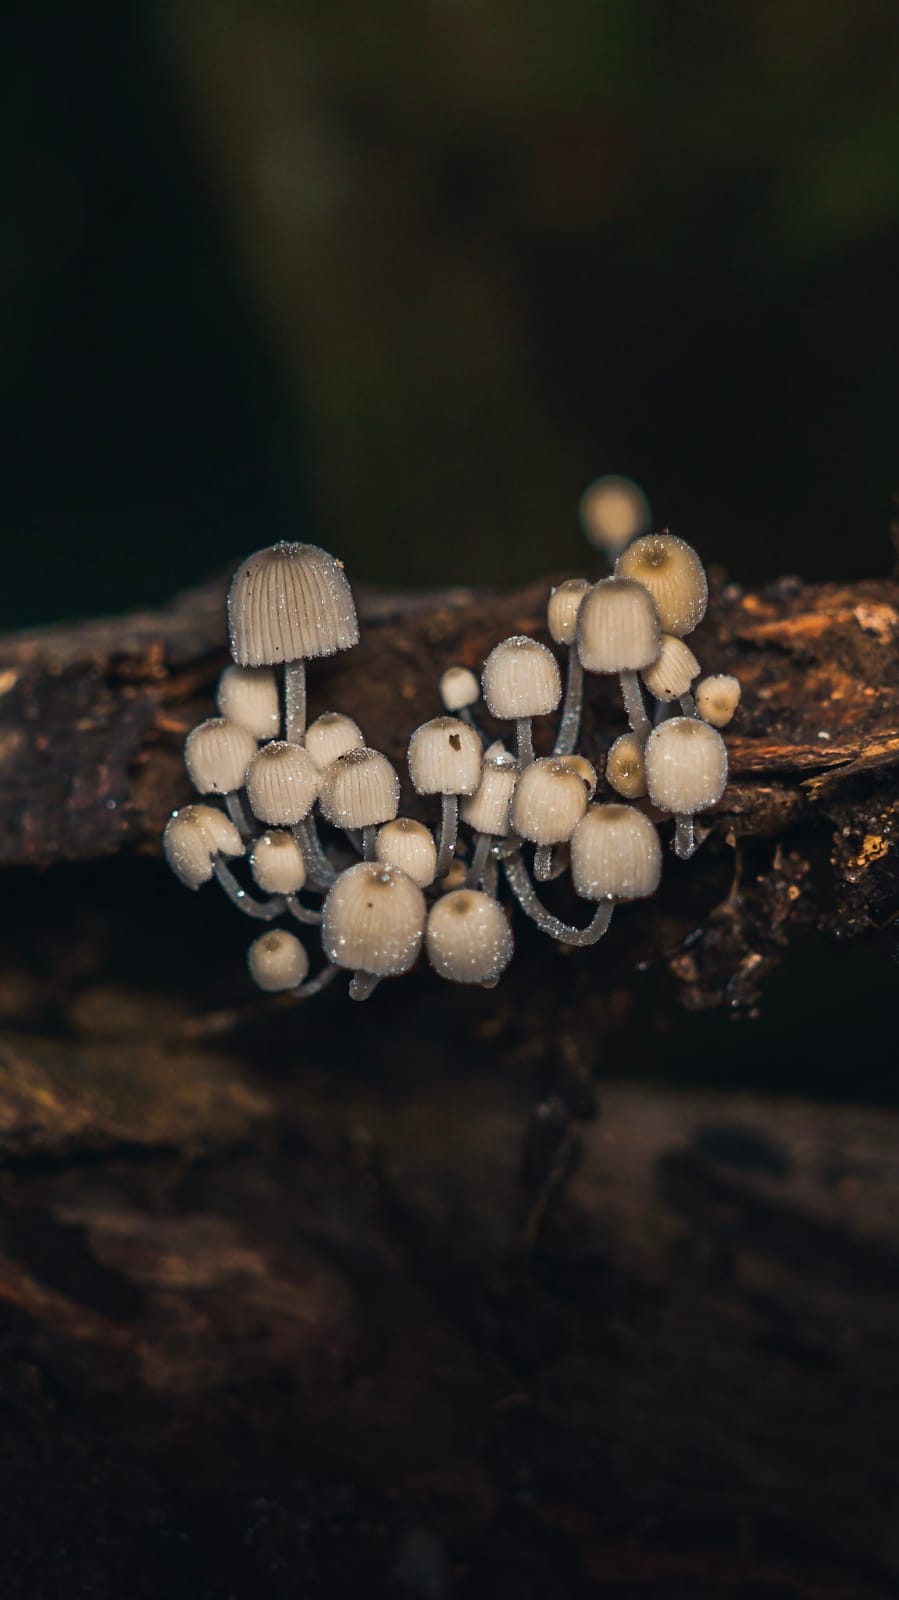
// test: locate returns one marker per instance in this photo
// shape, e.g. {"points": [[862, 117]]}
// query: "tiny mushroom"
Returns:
{"points": [[282, 783], [193, 838], [626, 767], [561, 619], [249, 696], [468, 938], [615, 854], [618, 631], [331, 736], [686, 772], [521, 680], [670, 677], [276, 862], [374, 918], [445, 759], [673, 574], [459, 689], [409, 845], [717, 698], [277, 960], [613, 511], [549, 800], [360, 790]]}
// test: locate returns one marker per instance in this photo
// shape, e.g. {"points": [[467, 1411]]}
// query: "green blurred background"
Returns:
{"points": [[401, 278]]}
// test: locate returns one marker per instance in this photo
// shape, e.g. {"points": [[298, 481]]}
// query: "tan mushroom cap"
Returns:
{"points": [[289, 602], [626, 768], [717, 698], [249, 696], [277, 960], [549, 800], [613, 510], [359, 790], [618, 629], [563, 607], [671, 675], [459, 688], [487, 810], [445, 757], [674, 575], [217, 754], [282, 783], [585, 771], [374, 918], [686, 766], [331, 736], [276, 862], [615, 854], [408, 845], [468, 938], [193, 837], [521, 679]]}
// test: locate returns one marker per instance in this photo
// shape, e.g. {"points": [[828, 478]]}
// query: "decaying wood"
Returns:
{"points": [[306, 1299]]}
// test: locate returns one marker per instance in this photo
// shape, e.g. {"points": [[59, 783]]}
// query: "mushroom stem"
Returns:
{"points": [[688, 705], [449, 830], [369, 837], [321, 870], [684, 838], [237, 812], [362, 984], [525, 740], [303, 913], [265, 910], [315, 985], [632, 695], [570, 720], [526, 895], [295, 701], [543, 863], [479, 861], [490, 877]]}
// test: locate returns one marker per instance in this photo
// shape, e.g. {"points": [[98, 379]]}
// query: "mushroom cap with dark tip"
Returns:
{"points": [[288, 603]]}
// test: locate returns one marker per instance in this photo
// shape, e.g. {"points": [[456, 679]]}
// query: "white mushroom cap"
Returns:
{"points": [[217, 755], [615, 854], [249, 696], [409, 845], [277, 960], [521, 679], [487, 810], [618, 629], [674, 575], [445, 757], [549, 801], [717, 698], [276, 862], [359, 790], [584, 769], [288, 602], [459, 688], [330, 736], [282, 783], [374, 918], [626, 768], [613, 510], [193, 837], [686, 766], [564, 605], [671, 676], [468, 938]]}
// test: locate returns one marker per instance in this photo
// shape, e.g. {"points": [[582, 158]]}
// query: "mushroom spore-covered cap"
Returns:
{"points": [[487, 810], [618, 628], [330, 736], [671, 676], [562, 609], [686, 766], [289, 602], [360, 789], [193, 837], [277, 960], [276, 862], [549, 800], [249, 695], [282, 783], [717, 698], [217, 754], [445, 757], [468, 938], [674, 575], [409, 845], [521, 679], [615, 854], [374, 918]]}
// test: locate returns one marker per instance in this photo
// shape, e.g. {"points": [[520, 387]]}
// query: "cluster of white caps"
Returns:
{"points": [[310, 814]]}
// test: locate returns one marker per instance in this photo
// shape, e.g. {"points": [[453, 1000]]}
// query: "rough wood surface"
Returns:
{"points": [[309, 1299]]}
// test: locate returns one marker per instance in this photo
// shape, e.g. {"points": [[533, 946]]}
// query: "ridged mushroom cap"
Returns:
{"points": [[277, 960], [193, 837], [249, 696], [671, 675], [674, 575], [562, 609], [276, 862], [217, 754], [374, 918], [549, 800], [331, 736], [289, 602], [487, 810], [445, 757], [686, 766], [409, 845], [359, 790], [521, 679], [282, 783], [615, 854], [618, 629], [468, 938]]}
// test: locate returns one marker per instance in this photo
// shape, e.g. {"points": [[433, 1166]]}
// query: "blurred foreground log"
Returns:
{"points": [[382, 1294]]}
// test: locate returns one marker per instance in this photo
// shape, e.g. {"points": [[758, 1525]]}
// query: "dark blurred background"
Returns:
{"points": [[402, 278]]}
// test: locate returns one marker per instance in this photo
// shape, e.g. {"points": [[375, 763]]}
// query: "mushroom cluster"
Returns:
{"points": [[310, 814]]}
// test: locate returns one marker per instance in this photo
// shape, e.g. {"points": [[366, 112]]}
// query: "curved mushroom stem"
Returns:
{"points": [[315, 985], [526, 895], [543, 863], [572, 707], [303, 913], [322, 872], [265, 910], [480, 859], [295, 701], [632, 695], [369, 836], [524, 738], [684, 838], [490, 877], [362, 984], [688, 705], [449, 832], [237, 812]]}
